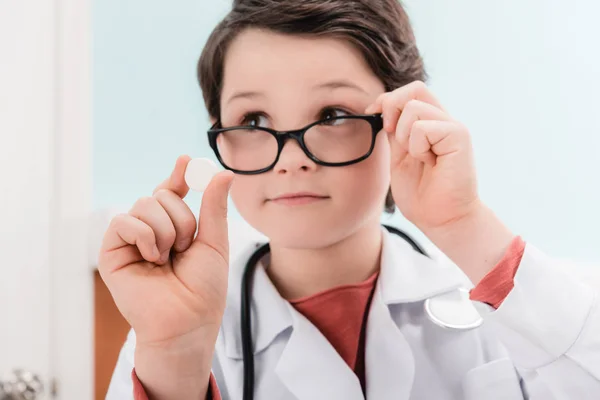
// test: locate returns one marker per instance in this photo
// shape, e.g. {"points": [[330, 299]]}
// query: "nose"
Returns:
{"points": [[293, 159]]}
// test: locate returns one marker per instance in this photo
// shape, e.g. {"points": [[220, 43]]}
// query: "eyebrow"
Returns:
{"points": [[331, 85], [339, 84], [245, 95]]}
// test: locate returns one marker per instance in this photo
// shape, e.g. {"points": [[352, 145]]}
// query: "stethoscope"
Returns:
{"points": [[247, 356]]}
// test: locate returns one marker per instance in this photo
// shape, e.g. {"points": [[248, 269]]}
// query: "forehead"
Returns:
{"points": [[265, 59]]}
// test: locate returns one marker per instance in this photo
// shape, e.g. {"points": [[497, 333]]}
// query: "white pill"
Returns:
{"points": [[199, 172]]}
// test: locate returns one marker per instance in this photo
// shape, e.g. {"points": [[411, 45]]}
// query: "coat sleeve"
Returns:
{"points": [[121, 384], [124, 384], [550, 325]]}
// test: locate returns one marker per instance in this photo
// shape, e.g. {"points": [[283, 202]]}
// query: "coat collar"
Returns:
{"points": [[406, 276]]}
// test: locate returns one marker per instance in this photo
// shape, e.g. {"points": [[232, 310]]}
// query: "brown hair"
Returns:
{"points": [[380, 29]]}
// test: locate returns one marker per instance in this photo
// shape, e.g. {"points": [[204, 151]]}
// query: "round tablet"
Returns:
{"points": [[199, 172]]}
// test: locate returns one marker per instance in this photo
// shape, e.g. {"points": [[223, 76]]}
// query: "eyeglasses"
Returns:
{"points": [[331, 142]]}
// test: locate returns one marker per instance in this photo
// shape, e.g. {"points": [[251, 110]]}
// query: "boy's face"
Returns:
{"points": [[296, 81]]}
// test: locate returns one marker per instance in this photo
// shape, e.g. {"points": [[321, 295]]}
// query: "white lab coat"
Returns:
{"points": [[543, 343]]}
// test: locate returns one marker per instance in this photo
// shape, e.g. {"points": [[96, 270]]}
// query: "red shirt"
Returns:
{"points": [[341, 313]]}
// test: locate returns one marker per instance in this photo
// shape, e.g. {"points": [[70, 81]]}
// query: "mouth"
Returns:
{"points": [[300, 198]]}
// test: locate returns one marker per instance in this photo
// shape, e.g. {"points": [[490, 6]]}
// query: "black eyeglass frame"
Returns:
{"points": [[375, 120]]}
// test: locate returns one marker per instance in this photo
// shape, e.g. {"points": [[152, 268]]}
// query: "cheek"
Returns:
{"points": [[368, 182], [381, 160]]}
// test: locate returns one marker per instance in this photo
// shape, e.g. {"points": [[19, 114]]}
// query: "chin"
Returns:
{"points": [[300, 239], [310, 227], [306, 232]]}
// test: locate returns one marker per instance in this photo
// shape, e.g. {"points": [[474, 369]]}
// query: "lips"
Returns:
{"points": [[298, 198], [288, 196]]}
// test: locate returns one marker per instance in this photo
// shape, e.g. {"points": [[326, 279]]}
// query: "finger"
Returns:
{"points": [[125, 231], [416, 110], [176, 182], [376, 107], [406, 170], [392, 103], [419, 146], [212, 225], [149, 210], [398, 153], [432, 139], [181, 216]]}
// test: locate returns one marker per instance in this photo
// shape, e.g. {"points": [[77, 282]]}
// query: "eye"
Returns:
{"points": [[330, 113], [255, 120]]}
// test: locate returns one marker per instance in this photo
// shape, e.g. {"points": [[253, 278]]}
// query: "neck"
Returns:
{"points": [[303, 272]]}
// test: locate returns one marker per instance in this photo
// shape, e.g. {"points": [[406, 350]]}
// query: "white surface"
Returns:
{"points": [[199, 172], [45, 294], [72, 341], [26, 135]]}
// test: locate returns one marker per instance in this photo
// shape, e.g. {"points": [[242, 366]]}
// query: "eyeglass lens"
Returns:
{"points": [[341, 140]]}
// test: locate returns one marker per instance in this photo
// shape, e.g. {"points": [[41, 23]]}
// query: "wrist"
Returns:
{"points": [[475, 242], [176, 370]]}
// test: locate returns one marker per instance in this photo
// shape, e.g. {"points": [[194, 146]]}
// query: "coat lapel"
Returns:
{"points": [[405, 277], [312, 369], [309, 367], [389, 361], [269, 311]]}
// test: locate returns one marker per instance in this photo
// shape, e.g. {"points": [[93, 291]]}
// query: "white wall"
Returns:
{"points": [[46, 292], [26, 135], [521, 74]]}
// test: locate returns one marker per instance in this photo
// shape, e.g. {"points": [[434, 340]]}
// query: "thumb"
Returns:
{"points": [[212, 223]]}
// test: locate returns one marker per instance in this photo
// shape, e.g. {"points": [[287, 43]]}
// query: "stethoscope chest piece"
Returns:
{"points": [[453, 310]]}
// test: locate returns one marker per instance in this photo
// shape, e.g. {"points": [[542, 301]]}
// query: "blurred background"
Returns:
{"points": [[99, 97]]}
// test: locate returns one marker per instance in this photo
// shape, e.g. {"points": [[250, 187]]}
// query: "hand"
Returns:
{"points": [[168, 283], [434, 182], [433, 174]]}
